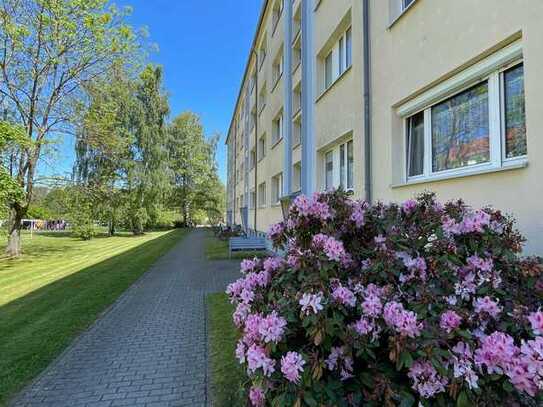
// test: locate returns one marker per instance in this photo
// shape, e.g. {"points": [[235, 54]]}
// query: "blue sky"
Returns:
{"points": [[203, 47]]}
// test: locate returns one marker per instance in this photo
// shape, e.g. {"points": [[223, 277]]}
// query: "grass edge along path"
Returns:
{"points": [[226, 373], [37, 327]]}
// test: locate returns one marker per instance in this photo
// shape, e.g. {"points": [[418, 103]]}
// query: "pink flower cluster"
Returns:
{"points": [[339, 360], [344, 296], [292, 364], [426, 381], [450, 320], [487, 306], [311, 207], [257, 358], [257, 396], [333, 248], [409, 206], [312, 303], [462, 361], [523, 365], [536, 321], [402, 321], [358, 215], [472, 222], [416, 267], [275, 231]]}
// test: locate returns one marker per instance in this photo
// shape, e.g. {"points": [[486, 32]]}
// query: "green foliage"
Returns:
{"points": [[197, 187], [383, 305], [50, 49]]}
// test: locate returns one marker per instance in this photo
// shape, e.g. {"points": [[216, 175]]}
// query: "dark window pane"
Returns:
{"points": [[349, 47], [350, 165], [342, 165], [328, 71], [329, 170], [515, 113], [415, 145], [341, 56], [460, 130], [406, 3]]}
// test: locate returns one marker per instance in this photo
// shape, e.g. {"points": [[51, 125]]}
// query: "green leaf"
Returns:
{"points": [[463, 400], [407, 400]]}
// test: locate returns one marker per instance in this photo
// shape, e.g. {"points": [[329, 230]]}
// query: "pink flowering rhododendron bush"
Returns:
{"points": [[413, 304]]}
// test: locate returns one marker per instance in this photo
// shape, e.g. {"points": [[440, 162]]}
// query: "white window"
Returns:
{"points": [[339, 59], [481, 127], [277, 9], [278, 67], [297, 132], [297, 177], [277, 188], [263, 51], [339, 167], [262, 195], [277, 133], [297, 99], [262, 99], [262, 147]]}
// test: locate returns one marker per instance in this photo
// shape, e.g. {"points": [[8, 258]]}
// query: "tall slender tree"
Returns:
{"points": [[50, 48]]}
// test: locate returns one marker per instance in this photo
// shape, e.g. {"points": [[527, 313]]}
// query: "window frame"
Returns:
{"points": [[261, 195], [278, 123], [277, 189], [340, 57], [340, 153], [496, 116]]}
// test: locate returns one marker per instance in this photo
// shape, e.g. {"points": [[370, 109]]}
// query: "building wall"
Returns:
{"points": [[411, 53], [431, 41]]}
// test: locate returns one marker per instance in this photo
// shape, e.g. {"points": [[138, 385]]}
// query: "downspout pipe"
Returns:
{"points": [[256, 138], [367, 102]]}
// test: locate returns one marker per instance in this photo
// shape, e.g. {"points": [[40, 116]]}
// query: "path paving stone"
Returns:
{"points": [[149, 349]]}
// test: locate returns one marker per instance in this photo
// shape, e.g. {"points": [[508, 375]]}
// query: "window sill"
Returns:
{"points": [[507, 166], [277, 142], [333, 84], [402, 13], [276, 82], [296, 36]]}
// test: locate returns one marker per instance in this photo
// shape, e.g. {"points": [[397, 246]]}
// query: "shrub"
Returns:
{"points": [[390, 305]]}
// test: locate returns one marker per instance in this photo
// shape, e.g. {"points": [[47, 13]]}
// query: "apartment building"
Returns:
{"points": [[451, 103]]}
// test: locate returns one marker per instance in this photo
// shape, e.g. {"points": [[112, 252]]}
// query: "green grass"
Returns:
{"points": [[58, 288], [227, 374], [217, 249]]}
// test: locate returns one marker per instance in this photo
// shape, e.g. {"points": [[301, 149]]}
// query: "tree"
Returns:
{"points": [[104, 139], [12, 139], [50, 48], [147, 172], [192, 163]]}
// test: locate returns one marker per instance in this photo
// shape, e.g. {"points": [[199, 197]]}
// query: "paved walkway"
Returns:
{"points": [[150, 348]]}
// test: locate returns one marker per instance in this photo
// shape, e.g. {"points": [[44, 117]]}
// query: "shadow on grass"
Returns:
{"points": [[36, 328]]}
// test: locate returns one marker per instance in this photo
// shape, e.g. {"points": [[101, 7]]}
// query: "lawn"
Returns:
{"points": [[217, 249], [58, 289], [226, 373]]}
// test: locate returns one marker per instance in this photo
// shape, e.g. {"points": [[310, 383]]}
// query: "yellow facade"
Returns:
{"points": [[424, 52]]}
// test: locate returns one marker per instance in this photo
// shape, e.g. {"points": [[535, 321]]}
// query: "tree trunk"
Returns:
{"points": [[13, 248]]}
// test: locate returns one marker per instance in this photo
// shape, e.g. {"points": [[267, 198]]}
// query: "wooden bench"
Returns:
{"points": [[251, 243]]}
